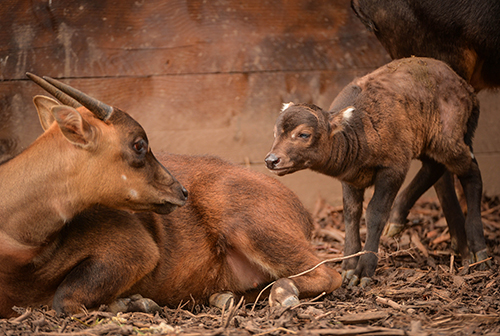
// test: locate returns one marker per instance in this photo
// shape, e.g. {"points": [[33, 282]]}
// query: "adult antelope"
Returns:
{"points": [[68, 241]]}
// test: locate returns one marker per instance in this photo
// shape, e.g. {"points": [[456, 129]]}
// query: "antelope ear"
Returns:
{"points": [[43, 106], [72, 125]]}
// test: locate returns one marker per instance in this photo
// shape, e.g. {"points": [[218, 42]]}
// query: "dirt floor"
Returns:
{"points": [[419, 289]]}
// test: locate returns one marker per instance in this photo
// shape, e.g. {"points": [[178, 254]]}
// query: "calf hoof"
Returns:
{"points": [[365, 281], [392, 229], [347, 275], [136, 303], [284, 293], [222, 300]]}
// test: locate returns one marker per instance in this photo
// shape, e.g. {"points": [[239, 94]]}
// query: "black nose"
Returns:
{"points": [[184, 192], [271, 161]]}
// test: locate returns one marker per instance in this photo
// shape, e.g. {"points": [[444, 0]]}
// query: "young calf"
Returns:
{"points": [[414, 108], [87, 218]]}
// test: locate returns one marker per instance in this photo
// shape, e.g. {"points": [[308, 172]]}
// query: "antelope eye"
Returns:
{"points": [[304, 135], [140, 146]]}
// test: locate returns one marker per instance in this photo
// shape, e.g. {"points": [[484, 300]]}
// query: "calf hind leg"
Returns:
{"points": [[472, 185], [445, 190], [429, 173]]}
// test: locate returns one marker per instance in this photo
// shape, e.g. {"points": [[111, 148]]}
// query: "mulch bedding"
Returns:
{"points": [[419, 289]]}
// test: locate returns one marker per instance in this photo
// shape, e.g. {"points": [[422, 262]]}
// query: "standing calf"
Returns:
{"points": [[415, 108], [69, 240], [464, 34]]}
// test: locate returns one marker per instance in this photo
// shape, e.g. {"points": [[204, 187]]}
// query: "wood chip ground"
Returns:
{"points": [[419, 289]]}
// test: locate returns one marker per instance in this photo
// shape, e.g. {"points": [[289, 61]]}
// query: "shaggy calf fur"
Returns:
{"points": [[415, 108]]}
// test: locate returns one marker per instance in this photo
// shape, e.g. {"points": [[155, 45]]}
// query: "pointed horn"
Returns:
{"points": [[100, 110], [61, 96]]}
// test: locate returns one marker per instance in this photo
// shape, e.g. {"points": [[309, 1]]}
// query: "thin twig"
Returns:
{"points": [[476, 263], [312, 269]]}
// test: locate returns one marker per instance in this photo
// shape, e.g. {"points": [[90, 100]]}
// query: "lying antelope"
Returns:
{"points": [[87, 217]]}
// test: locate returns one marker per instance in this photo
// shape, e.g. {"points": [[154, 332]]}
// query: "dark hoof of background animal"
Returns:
{"points": [[480, 256], [135, 303], [222, 300], [284, 293], [392, 229]]}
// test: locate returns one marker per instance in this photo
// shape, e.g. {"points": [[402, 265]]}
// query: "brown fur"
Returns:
{"points": [[414, 108], [238, 231]]}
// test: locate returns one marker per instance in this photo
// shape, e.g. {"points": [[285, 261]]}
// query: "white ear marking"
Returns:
{"points": [[286, 105], [347, 114]]}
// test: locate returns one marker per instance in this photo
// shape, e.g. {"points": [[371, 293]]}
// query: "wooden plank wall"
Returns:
{"points": [[200, 76]]}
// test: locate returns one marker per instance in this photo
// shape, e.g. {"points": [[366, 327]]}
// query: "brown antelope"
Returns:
{"points": [[86, 218], [414, 108]]}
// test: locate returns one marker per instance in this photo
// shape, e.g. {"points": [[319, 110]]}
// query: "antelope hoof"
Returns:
{"points": [[392, 229], [284, 293], [136, 303], [222, 300]]}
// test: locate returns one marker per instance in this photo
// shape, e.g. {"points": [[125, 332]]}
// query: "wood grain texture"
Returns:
{"points": [[148, 38], [200, 76]]}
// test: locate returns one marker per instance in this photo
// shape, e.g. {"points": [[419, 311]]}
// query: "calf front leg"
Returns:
{"points": [[353, 209], [387, 184]]}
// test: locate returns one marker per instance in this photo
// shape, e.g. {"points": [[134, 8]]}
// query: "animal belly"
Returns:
{"points": [[247, 274]]}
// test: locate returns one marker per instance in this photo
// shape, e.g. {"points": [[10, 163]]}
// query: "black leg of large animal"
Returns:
{"points": [[387, 184], [353, 209], [445, 190], [473, 188], [429, 173]]}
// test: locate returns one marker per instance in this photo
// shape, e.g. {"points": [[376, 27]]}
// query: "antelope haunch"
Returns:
{"points": [[69, 240], [414, 108]]}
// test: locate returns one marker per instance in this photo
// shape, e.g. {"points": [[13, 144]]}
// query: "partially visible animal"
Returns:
{"points": [[413, 108], [463, 34], [87, 218]]}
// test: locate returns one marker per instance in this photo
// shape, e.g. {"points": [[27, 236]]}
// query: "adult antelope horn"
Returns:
{"points": [[61, 96], [100, 110]]}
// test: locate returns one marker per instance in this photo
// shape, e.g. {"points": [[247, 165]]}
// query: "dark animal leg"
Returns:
{"points": [[429, 173], [353, 209], [387, 184], [101, 279], [452, 210], [472, 185]]}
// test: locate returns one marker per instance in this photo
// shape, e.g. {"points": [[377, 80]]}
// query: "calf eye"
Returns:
{"points": [[304, 135]]}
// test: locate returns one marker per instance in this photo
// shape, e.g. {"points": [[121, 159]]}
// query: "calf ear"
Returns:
{"points": [[43, 107], [73, 126], [286, 105], [339, 119]]}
